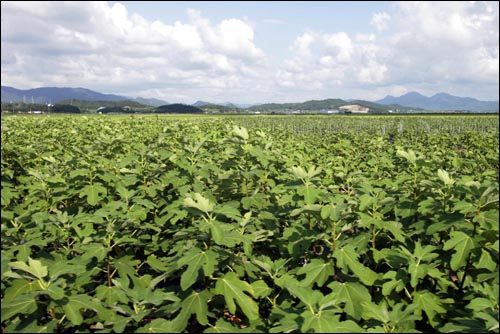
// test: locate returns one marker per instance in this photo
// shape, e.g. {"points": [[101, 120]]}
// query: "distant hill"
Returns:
{"points": [[244, 105], [178, 108], [150, 102], [308, 105], [57, 94], [54, 95], [319, 105], [440, 101], [225, 104], [218, 108], [380, 108], [200, 103], [84, 104]]}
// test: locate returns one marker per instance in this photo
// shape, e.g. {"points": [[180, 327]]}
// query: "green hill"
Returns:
{"points": [[178, 108], [312, 105]]}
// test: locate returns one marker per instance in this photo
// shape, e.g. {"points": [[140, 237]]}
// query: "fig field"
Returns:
{"points": [[273, 224]]}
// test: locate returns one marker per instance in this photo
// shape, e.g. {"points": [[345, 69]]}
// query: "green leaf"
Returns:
{"points": [[488, 219], [409, 156], [352, 294], [32, 327], [480, 304], [462, 244], [158, 326], [485, 261], [93, 249], [396, 282], [348, 258], [260, 289], [310, 195], [195, 303], [55, 292], [395, 228], [417, 271], [159, 265], [298, 172], [199, 202], [18, 287], [196, 259], [221, 326], [72, 312], [217, 230], [306, 208], [34, 267], [333, 211], [287, 324], [307, 295], [365, 201], [94, 193], [233, 290], [111, 295], [317, 271], [77, 302], [23, 304], [228, 211], [445, 177], [425, 253], [398, 316], [374, 311], [328, 322], [465, 325], [430, 304], [63, 268], [240, 132]]}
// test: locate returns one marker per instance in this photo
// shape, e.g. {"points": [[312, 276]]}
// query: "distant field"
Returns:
{"points": [[205, 223]]}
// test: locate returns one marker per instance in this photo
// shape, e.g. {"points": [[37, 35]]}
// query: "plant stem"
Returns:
{"points": [[109, 272], [334, 236]]}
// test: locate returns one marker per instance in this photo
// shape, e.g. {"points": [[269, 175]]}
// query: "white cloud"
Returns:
{"points": [[373, 73], [107, 48], [423, 46], [379, 20], [302, 45], [338, 46], [427, 45]]}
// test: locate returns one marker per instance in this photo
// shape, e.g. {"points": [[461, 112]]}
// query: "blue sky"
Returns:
{"points": [[253, 51]]}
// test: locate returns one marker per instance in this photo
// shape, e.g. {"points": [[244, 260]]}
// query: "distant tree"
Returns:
{"points": [[65, 108], [118, 110], [178, 108], [24, 107]]}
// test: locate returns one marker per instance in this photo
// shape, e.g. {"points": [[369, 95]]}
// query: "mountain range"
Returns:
{"points": [[440, 101], [56, 94], [225, 104]]}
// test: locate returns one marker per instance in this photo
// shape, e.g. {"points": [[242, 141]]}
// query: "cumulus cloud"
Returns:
{"points": [[379, 20], [423, 46], [428, 47], [108, 48], [302, 44]]}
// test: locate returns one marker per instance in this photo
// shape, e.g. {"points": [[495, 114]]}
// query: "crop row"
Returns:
{"points": [[250, 224]]}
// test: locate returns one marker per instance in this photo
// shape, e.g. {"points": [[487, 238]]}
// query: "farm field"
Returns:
{"points": [[254, 223]]}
